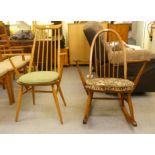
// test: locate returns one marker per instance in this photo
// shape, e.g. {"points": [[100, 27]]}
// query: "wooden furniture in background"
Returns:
{"points": [[9, 54], [27, 44], [122, 29], [30, 43], [66, 60], [78, 45]]}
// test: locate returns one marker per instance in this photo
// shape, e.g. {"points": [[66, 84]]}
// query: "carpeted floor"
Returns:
{"points": [[106, 116]]}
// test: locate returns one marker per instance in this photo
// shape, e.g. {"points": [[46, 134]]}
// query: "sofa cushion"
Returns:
{"points": [[90, 29], [132, 53]]}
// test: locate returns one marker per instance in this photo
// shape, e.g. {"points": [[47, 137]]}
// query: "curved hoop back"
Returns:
{"points": [[46, 48], [106, 55]]}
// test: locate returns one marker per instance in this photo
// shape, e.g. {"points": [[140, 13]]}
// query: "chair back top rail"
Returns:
{"points": [[106, 56], [46, 48]]}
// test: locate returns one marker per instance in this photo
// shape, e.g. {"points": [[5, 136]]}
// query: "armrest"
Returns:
{"points": [[136, 80], [25, 46], [16, 54], [137, 61], [11, 50], [81, 74]]}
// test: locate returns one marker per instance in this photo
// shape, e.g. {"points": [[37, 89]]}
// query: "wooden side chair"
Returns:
{"points": [[16, 53], [45, 68], [11, 54], [107, 62]]}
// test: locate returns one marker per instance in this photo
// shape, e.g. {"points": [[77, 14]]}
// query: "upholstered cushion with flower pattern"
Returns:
{"points": [[110, 84]]}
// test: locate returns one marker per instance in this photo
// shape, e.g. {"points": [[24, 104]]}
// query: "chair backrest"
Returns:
{"points": [[107, 56], [46, 48], [4, 38]]}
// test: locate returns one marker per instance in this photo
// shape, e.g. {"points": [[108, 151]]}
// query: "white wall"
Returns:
{"points": [[153, 42], [141, 35]]}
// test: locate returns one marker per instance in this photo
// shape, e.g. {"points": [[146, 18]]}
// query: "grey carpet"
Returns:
{"points": [[106, 116]]}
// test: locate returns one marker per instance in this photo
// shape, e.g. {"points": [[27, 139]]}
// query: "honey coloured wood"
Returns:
{"points": [[45, 68], [107, 62]]}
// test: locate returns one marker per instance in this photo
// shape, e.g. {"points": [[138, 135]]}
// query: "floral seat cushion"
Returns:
{"points": [[109, 84]]}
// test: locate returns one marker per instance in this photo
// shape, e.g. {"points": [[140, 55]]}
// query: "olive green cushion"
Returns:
{"points": [[39, 77]]}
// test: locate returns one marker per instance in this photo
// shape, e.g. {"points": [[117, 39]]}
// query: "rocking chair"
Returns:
{"points": [[107, 60]]}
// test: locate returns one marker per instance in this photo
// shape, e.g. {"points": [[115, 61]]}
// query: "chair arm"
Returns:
{"points": [[14, 67], [136, 80], [81, 74], [24, 46], [126, 45], [15, 54], [137, 61], [10, 50]]}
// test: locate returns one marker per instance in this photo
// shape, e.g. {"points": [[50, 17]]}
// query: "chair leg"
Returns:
{"points": [[9, 86], [129, 115], [25, 69], [88, 106], [57, 104], [131, 109], [3, 84], [61, 94], [121, 98], [20, 94], [33, 95]]}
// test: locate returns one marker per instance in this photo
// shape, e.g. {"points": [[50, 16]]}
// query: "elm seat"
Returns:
{"points": [[40, 77], [109, 84]]}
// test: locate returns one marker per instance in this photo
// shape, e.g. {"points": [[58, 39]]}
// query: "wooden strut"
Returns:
{"points": [[129, 114], [9, 86], [88, 107], [81, 76]]}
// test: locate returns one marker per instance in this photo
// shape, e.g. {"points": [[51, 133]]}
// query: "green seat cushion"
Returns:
{"points": [[39, 77]]}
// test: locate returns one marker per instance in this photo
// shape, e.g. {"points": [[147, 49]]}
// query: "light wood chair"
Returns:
{"points": [[11, 54], [45, 68], [107, 60], [16, 52]]}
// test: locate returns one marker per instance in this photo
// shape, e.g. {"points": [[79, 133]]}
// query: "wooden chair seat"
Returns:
{"points": [[17, 61], [40, 77], [110, 84]]}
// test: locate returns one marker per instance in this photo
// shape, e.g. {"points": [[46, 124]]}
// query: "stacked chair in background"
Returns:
{"points": [[9, 56]]}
